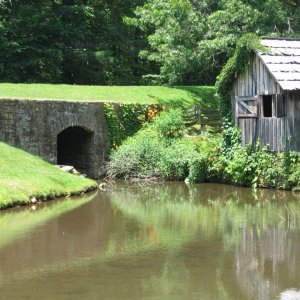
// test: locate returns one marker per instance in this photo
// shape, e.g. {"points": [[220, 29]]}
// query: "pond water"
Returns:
{"points": [[158, 241]]}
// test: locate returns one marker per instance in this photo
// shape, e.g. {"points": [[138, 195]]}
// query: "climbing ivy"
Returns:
{"points": [[113, 125], [124, 120], [132, 117], [236, 64]]}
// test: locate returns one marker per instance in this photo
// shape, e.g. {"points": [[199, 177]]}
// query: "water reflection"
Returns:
{"points": [[161, 241], [262, 227]]}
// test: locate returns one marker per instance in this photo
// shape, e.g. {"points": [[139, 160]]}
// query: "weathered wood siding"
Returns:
{"points": [[293, 120], [255, 80], [268, 131]]}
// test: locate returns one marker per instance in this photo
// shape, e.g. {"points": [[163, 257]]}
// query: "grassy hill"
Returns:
{"points": [[23, 175], [186, 95]]}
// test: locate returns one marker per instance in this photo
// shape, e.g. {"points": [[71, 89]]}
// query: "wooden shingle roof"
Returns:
{"points": [[283, 61]]}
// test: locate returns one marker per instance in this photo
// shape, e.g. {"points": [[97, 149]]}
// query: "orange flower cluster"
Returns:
{"points": [[152, 111], [195, 139]]}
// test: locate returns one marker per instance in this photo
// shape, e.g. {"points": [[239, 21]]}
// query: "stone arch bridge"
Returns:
{"points": [[61, 132]]}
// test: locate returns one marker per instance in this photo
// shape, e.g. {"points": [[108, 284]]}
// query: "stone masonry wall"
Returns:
{"points": [[33, 125]]}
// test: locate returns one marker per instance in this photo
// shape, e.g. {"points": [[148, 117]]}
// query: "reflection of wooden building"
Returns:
{"points": [[266, 97]]}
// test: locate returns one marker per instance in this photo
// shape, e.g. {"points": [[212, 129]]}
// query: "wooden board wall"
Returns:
{"points": [[293, 120], [255, 80], [269, 132], [279, 133]]}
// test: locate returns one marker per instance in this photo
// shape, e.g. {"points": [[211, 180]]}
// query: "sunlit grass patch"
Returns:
{"points": [[23, 175], [181, 95]]}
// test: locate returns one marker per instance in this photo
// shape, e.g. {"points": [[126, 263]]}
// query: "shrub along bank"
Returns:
{"points": [[162, 150], [24, 176]]}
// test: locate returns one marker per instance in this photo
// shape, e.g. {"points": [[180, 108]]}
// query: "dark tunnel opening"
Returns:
{"points": [[74, 148]]}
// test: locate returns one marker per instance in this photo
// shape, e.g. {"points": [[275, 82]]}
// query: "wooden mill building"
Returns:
{"points": [[266, 96]]}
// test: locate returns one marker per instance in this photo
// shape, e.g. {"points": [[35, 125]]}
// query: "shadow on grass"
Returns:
{"points": [[177, 102], [202, 95], [196, 95]]}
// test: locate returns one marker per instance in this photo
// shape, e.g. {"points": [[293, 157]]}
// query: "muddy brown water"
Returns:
{"points": [[158, 241]]}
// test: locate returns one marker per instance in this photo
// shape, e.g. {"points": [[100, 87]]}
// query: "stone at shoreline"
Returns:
{"points": [[69, 169], [33, 200], [102, 186]]}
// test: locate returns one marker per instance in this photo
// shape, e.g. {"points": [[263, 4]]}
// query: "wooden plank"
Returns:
{"points": [[278, 134], [207, 117], [215, 111], [275, 134], [247, 116], [255, 132], [283, 133], [262, 132], [267, 137], [296, 96], [244, 132], [247, 107], [249, 123]]}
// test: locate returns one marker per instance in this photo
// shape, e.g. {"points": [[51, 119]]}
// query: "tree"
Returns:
{"points": [[173, 29], [70, 41], [194, 38]]}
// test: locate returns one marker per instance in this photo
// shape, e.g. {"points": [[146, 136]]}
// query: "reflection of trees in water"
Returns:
{"points": [[172, 221], [266, 261], [173, 278], [261, 225]]}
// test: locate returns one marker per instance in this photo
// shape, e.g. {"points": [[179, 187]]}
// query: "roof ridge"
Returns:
{"points": [[281, 38]]}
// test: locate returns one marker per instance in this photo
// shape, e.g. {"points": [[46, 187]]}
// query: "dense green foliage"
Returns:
{"points": [[236, 65], [161, 150], [132, 42], [158, 151], [23, 176], [170, 125], [249, 166], [123, 120], [192, 40], [70, 41]]}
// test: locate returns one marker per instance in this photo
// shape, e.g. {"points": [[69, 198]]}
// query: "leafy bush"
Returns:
{"points": [[152, 152], [231, 138], [292, 169], [197, 168], [241, 168], [136, 157], [170, 124], [294, 179], [180, 160], [148, 154], [269, 169]]}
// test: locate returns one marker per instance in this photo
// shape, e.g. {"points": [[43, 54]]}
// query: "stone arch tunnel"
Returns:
{"points": [[61, 132]]}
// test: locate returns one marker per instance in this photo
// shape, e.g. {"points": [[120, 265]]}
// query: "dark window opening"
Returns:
{"points": [[267, 106], [74, 146], [280, 106]]}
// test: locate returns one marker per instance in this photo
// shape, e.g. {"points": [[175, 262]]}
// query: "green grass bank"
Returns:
{"points": [[183, 95], [23, 176]]}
